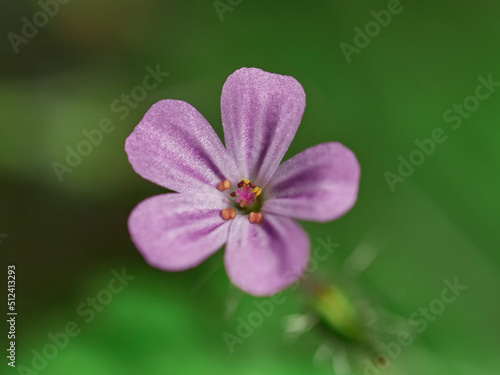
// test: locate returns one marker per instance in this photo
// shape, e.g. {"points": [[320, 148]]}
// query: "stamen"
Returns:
{"points": [[257, 190], [241, 183], [255, 217], [233, 194], [228, 213], [224, 185]]}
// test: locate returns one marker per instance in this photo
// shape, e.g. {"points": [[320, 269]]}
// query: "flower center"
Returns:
{"points": [[247, 193], [248, 200]]}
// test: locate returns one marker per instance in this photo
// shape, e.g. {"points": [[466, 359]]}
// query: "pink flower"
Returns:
{"points": [[238, 195]]}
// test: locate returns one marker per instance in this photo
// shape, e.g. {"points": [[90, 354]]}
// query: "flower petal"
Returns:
{"points": [[175, 147], [175, 232], [260, 114], [262, 259], [319, 184]]}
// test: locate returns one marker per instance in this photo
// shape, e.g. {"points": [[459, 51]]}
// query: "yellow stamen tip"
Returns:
{"points": [[257, 191]]}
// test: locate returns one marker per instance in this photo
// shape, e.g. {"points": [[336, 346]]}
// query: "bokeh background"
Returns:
{"points": [[65, 238]]}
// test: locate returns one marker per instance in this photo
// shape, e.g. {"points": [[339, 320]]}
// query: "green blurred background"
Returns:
{"points": [[65, 238]]}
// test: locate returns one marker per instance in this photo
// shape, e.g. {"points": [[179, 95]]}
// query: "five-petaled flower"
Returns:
{"points": [[238, 195]]}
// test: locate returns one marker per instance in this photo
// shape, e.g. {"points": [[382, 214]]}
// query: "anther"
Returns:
{"points": [[224, 185], [257, 191], [252, 185], [241, 183], [228, 213], [233, 194], [255, 217]]}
